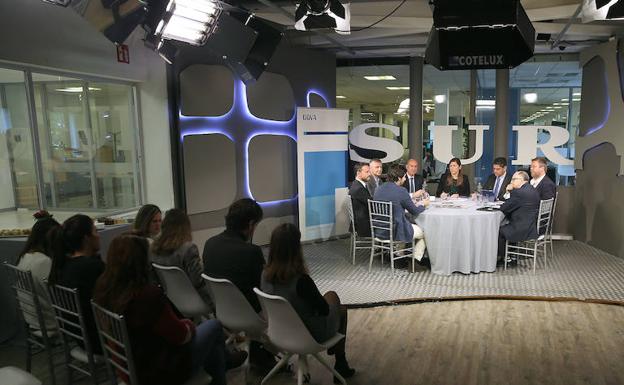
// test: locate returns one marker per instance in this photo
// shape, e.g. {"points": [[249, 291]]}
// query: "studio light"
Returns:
{"points": [[189, 21], [320, 14]]}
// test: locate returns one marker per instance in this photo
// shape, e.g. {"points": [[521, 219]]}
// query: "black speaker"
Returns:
{"points": [[479, 34]]}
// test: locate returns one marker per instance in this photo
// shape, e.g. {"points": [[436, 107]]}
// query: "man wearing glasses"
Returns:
{"points": [[520, 212]]}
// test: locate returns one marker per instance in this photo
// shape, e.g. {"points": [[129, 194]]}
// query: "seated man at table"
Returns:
{"points": [[359, 199], [499, 179], [541, 182], [404, 231], [521, 212], [413, 181]]}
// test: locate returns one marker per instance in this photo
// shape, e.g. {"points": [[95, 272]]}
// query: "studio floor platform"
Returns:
{"points": [[577, 271]]}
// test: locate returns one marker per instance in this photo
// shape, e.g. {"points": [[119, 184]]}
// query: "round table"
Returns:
{"points": [[459, 237]]}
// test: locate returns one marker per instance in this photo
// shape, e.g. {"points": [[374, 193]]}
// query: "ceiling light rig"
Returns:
{"points": [[322, 14], [188, 21]]}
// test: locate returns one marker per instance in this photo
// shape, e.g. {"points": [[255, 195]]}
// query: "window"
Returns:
{"points": [[86, 140]]}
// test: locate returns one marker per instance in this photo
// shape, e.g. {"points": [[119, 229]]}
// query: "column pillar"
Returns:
{"points": [[415, 129], [501, 131]]}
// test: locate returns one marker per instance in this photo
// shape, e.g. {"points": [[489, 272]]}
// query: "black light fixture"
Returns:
{"points": [[322, 14], [62, 3]]}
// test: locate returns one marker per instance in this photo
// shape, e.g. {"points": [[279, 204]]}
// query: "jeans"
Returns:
{"points": [[208, 350]]}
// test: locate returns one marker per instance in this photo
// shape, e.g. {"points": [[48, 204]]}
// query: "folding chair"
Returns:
{"points": [[382, 225], [530, 247]]}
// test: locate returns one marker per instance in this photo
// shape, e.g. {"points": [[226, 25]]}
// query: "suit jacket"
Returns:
{"points": [[491, 182], [401, 201], [521, 210], [463, 190], [359, 198], [418, 182], [546, 188], [372, 185], [228, 255]]}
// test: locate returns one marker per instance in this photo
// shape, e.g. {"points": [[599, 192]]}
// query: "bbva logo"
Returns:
{"points": [[528, 143]]}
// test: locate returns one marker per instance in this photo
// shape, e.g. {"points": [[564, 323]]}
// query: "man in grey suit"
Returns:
{"points": [[393, 191], [375, 176]]}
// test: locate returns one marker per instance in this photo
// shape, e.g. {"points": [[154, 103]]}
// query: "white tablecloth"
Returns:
{"points": [[460, 239]]}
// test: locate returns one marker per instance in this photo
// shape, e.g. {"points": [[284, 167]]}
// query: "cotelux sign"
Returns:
{"points": [[472, 61]]}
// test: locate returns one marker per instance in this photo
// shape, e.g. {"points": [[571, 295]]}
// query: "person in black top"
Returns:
{"points": [[232, 256], [286, 275], [454, 183], [499, 179], [413, 181], [546, 188], [360, 195], [76, 264]]}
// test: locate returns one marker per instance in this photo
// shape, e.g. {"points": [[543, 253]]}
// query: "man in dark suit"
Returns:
{"points": [[375, 179], [232, 256], [541, 182], [359, 198], [499, 179], [413, 181], [403, 230], [521, 212]]}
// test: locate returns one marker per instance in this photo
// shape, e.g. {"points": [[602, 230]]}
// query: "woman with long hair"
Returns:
{"points": [[148, 221], [35, 257], [454, 183], [286, 275], [166, 349], [77, 264], [174, 247]]}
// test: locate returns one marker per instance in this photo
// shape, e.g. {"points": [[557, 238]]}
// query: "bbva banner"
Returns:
{"points": [[528, 143]]}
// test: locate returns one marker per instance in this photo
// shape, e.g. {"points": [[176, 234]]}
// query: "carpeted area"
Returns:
{"points": [[576, 271]]}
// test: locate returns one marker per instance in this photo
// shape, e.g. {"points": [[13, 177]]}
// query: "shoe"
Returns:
{"points": [[342, 367], [235, 359], [424, 261]]}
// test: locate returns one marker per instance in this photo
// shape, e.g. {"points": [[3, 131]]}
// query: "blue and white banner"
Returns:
{"points": [[322, 161]]}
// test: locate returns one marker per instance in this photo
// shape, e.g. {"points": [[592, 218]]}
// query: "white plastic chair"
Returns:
{"points": [[233, 310], [356, 241], [71, 322], [16, 376], [531, 247], [40, 339], [381, 220], [288, 333], [181, 292]]}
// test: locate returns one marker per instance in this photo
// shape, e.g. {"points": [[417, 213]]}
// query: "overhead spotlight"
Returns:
{"points": [[167, 51], [321, 14], [530, 97], [189, 21]]}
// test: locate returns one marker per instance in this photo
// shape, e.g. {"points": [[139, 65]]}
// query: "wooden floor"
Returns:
{"points": [[472, 342]]}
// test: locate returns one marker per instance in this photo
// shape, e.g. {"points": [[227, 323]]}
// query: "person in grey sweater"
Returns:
{"points": [[174, 247]]}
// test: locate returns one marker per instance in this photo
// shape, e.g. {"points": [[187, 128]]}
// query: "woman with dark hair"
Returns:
{"points": [[174, 247], [454, 183], [286, 275], [35, 258], [147, 222], [166, 349], [76, 264]]}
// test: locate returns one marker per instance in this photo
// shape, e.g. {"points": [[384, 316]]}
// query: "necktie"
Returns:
{"points": [[497, 187], [411, 184]]}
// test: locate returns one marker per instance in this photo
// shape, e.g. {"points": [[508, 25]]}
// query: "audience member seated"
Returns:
{"points": [[541, 182], [77, 264], [147, 222], [499, 179], [35, 258], [403, 230], [454, 183], [375, 179], [232, 256], [413, 181], [359, 198], [166, 348], [521, 211], [174, 247], [286, 275]]}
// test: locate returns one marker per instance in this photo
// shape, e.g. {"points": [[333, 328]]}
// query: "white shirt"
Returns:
{"points": [[411, 184], [535, 182], [500, 186], [363, 183]]}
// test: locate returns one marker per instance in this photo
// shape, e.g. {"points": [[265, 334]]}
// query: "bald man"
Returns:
{"points": [[413, 180]]}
